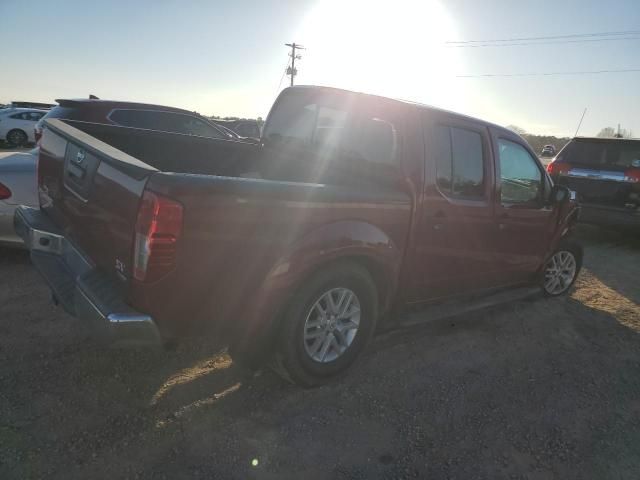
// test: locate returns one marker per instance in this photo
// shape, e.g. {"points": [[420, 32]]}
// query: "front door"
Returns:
{"points": [[524, 218], [453, 250]]}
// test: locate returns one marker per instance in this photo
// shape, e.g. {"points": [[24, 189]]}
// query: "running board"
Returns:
{"points": [[454, 308]]}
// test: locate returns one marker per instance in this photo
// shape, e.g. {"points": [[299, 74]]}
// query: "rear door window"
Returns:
{"points": [[164, 122], [35, 116], [460, 162], [247, 129]]}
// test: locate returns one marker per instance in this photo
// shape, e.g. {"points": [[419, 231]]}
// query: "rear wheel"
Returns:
{"points": [[17, 138], [327, 325], [561, 270]]}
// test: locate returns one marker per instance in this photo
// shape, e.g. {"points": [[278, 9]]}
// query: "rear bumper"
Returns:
{"points": [[8, 237], [79, 286], [611, 217]]}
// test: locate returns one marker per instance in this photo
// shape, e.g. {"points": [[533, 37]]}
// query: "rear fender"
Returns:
{"points": [[340, 241]]}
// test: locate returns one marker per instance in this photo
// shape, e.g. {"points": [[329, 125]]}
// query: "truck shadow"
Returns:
{"points": [[550, 324]]}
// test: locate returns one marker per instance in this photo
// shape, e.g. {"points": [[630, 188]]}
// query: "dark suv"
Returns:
{"points": [[138, 115], [605, 174]]}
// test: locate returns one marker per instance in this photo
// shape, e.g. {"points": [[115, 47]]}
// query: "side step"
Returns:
{"points": [[453, 308]]}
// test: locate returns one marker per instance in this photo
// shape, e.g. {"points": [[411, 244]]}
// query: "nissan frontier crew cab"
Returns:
{"points": [[353, 213]]}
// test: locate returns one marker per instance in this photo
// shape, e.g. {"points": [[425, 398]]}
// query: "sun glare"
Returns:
{"points": [[389, 48]]}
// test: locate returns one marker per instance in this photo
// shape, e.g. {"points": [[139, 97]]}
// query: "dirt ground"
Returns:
{"points": [[544, 388]]}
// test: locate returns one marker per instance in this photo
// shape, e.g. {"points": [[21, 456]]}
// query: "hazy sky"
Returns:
{"points": [[227, 57]]}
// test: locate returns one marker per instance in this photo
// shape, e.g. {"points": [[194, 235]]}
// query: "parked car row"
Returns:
{"points": [[351, 214]]}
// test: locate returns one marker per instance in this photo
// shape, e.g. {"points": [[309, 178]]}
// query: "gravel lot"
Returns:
{"points": [[535, 389]]}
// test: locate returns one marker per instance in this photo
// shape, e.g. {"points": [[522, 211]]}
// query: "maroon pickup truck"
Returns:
{"points": [[353, 213]]}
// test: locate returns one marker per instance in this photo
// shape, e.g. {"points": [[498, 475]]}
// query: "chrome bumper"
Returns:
{"points": [[81, 288]]}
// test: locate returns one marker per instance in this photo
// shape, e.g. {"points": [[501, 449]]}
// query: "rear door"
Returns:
{"points": [[524, 218], [601, 171], [454, 244]]}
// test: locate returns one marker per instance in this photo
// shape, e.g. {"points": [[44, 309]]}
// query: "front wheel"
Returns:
{"points": [[327, 325], [562, 268]]}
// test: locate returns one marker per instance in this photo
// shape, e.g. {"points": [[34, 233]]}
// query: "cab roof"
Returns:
{"points": [[419, 105]]}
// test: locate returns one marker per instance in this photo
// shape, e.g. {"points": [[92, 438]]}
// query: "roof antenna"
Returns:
{"points": [[581, 118], [93, 97]]}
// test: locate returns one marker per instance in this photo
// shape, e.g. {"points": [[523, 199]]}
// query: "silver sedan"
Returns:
{"points": [[17, 187]]}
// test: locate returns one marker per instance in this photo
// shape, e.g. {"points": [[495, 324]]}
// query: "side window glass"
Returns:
{"points": [[520, 177], [459, 160], [443, 158], [292, 122], [468, 167], [17, 116], [330, 127], [130, 118], [194, 126], [374, 139]]}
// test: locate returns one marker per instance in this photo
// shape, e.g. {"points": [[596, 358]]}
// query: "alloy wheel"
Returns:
{"points": [[560, 272], [331, 324]]}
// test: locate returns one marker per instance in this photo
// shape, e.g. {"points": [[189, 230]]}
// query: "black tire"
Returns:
{"points": [[17, 138], [292, 360], [575, 249]]}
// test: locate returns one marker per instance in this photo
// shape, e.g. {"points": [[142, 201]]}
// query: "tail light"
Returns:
{"points": [[158, 229], [558, 168], [632, 175], [4, 192]]}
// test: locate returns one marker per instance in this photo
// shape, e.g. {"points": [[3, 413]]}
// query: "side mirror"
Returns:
{"points": [[560, 194]]}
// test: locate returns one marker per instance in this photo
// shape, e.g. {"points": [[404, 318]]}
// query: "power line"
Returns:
{"points": [[585, 40], [284, 72], [551, 37], [546, 74]]}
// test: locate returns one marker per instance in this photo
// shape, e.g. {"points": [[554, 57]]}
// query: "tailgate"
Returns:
{"points": [[91, 191], [599, 187]]}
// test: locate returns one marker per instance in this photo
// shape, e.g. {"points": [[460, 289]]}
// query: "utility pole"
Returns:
{"points": [[292, 69]]}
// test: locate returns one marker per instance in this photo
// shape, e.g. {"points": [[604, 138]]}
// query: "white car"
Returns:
{"points": [[17, 124], [17, 187]]}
